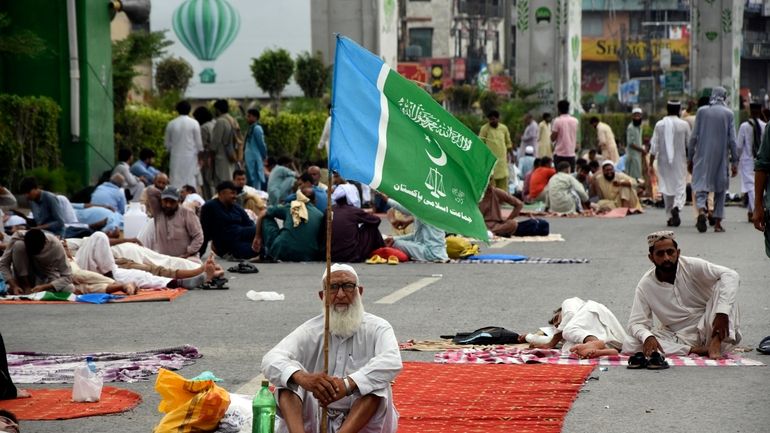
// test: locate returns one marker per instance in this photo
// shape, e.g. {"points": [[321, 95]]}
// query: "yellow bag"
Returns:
{"points": [[191, 406], [459, 247]]}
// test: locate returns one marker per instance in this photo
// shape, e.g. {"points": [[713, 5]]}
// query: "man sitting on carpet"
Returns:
{"points": [[364, 359], [426, 244], [694, 301], [490, 207], [227, 225], [615, 189], [355, 233], [299, 240], [177, 230], [35, 261], [564, 193], [588, 329]]}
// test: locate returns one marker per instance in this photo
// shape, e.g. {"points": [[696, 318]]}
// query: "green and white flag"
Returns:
{"points": [[390, 134]]}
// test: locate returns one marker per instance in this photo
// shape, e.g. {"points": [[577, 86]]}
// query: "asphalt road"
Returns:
{"points": [[233, 333]]}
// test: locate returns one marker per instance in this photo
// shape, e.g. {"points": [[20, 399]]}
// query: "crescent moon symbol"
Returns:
{"points": [[440, 161]]}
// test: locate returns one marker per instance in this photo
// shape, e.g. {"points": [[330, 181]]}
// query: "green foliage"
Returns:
{"points": [[512, 115], [173, 74], [272, 71], [473, 121], [29, 136], [139, 126], [311, 74], [60, 180], [294, 134], [20, 42], [305, 105], [489, 100], [139, 47], [460, 98]]}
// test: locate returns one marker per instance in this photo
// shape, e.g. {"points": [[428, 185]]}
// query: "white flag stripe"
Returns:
{"points": [[382, 131]]}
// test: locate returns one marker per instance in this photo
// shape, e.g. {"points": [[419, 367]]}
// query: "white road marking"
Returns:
{"points": [[500, 244], [251, 387], [407, 290]]}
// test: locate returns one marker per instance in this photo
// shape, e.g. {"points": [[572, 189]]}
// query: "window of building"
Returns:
{"points": [[422, 37], [592, 24]]}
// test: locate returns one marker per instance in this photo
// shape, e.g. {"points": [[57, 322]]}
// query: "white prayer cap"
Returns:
{"points": [[652, 238], [636, 110], [340, 267], [529, 150], [608, 162]]}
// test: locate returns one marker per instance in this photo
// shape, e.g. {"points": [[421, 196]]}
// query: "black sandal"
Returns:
{"points": [[657, 362], [638, 361], [216, 283], [243, 268]]}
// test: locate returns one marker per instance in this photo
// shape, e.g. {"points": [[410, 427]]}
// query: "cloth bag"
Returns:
{"points": [[190, 406]]}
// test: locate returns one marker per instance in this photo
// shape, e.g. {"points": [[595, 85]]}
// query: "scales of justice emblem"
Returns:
{"points": [[435, 180]]}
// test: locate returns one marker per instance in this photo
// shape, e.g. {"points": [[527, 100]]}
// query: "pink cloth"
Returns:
{"points": [[566, 142]]}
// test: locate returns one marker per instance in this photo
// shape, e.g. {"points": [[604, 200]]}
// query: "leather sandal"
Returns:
{"points": [[637, 362], [657, 362]]}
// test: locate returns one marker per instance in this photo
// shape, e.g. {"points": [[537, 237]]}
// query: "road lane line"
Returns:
{"points": [[407, 290]]}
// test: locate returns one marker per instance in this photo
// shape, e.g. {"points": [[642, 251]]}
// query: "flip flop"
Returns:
{"points": [[657, 362], [392, 260], [244, 268], [376, 260], [764, 346], [637, 362]]}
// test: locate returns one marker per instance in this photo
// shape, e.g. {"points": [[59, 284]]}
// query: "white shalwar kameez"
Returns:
{"points": [[370, 358], [686, 309], [139, 254], [669, 145], [94, 254], [183, 141], [580, 319], [745, 149]]}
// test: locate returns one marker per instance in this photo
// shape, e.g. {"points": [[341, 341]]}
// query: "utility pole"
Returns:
{"points": [[648, 37]]}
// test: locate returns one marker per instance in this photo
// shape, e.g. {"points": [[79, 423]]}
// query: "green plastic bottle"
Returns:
{"points": [[263, 409]]}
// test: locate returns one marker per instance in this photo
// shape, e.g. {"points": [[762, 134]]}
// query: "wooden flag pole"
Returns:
{"points": [[327, 289]]}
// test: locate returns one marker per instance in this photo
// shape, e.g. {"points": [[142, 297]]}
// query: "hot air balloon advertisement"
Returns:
{"points": [[206, 28]]}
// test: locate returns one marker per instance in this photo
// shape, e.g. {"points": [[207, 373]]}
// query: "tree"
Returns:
{"points": [[311, 74], [272, 71], [137, 48], [21, 43], [173, 74]]}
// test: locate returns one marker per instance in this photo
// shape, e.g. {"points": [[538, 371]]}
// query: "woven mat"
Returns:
{"points": [[445, 344], [515, 355], [54, 404], [151, 295], [485, 398], [528, 261]]}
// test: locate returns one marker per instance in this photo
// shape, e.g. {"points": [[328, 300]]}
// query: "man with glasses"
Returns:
{"points": [[363, 360]]}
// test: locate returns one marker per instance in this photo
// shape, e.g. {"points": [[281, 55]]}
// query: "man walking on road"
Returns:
{"points": [[707, 155], [669, 140], [564, 136], [498, 139], [183, 142]]}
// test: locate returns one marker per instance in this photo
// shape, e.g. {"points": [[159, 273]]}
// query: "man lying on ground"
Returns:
{"points": [[588, 329], [364, 359], [694, 301]]}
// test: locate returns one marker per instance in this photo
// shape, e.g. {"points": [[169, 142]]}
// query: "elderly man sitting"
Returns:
{"points": [[694, 301], [363, 360], [615, 189]]}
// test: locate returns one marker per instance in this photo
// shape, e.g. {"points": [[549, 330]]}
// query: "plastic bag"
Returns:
{"points": [[190, 406], [87, 386]]}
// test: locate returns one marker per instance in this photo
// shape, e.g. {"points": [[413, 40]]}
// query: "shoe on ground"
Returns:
{"points": [[392, 260], [701, 223], [637, 361], [657, 362], [675, 220]]}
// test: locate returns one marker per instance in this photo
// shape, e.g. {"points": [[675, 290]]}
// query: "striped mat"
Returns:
{"points": [[513, 355]]}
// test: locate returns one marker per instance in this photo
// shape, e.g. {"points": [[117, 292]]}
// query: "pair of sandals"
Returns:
{"points": [[377, 260], [764, 346], [216, 283], [656, 361], [243, 268]]}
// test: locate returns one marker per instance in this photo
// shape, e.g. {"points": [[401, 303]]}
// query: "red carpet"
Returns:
{"points": [[485, 398], [53, 404]]}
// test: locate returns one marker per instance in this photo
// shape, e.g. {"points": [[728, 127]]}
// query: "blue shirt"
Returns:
{"points": [[320, 198], [109, 194], [92, 215], [140, 168], [47, 210]]}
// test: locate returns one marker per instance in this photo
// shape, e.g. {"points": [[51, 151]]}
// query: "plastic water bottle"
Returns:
{"points": [[90, 364], [263, 409]]}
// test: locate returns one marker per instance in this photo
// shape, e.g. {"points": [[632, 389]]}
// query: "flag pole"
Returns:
{"points": [[327, 290]]}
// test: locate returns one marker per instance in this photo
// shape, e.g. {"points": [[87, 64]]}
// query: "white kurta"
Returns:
{"points": [[580, 319], [745, 150], [370, 358], [672, 171], [94, 255], [183, 141], [139, 254], [686, 309]]}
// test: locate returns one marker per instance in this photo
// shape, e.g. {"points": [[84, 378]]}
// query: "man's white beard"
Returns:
{"points": [[345, 323]]}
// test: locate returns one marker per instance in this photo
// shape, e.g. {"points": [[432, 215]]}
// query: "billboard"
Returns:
{"points": [[220, 37]]}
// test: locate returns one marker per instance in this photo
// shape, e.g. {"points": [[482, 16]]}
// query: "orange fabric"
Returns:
{"points": [[151, 295], [53, 404], [191, 406], [539, 180], [485, 398]]}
